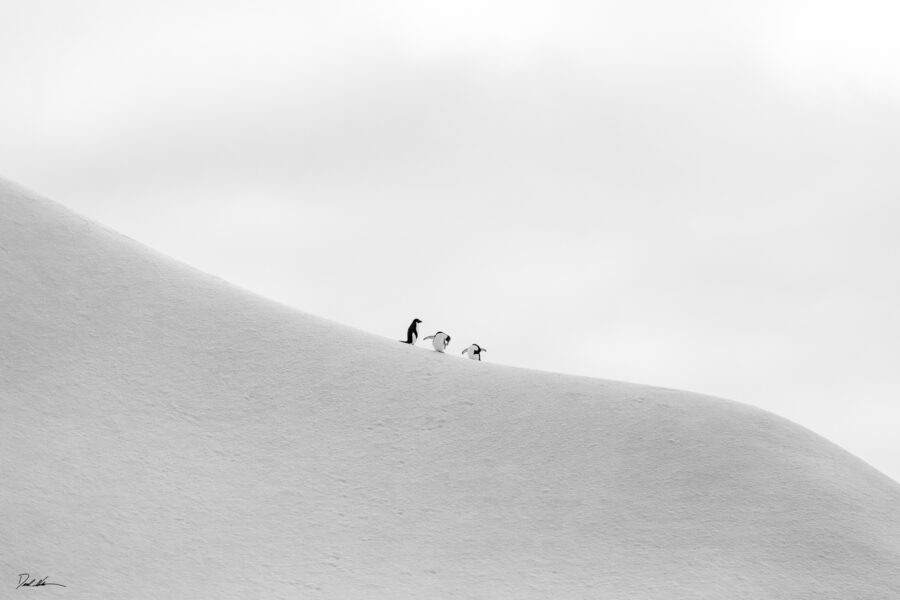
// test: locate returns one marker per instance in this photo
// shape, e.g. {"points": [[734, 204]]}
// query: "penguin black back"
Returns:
{"points": [[412, 334]]}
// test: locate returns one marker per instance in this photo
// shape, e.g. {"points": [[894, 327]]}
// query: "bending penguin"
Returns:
{"points": [[474, 351], [439, 341], [412, 334]]}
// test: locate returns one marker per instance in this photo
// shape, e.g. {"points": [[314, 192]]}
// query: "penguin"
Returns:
{"points": [[440, 340], [412, 334], [474, 351]]}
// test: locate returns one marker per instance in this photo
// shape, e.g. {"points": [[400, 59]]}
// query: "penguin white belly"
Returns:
{"points": [[440, 342]]}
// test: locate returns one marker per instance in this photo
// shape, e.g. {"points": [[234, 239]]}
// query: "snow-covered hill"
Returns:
{"points": [[166, 435]]}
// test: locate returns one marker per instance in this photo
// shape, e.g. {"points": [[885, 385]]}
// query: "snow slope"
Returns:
{"points": [[166, 435]]}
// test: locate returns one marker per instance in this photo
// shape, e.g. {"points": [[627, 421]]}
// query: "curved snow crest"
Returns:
{"points": [[167, 431]]}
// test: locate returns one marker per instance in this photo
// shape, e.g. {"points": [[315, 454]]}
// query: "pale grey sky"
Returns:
{"points": [[700, 195]]}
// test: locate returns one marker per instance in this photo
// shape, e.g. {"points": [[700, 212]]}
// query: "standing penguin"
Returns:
{"points": [[412, 334], [474, 351], [439, 341]]}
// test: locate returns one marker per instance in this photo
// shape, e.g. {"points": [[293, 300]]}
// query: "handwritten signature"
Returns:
{"points": [[26, 580]]}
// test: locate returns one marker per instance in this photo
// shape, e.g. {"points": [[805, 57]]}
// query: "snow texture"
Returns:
{"points": [[167, 435]]}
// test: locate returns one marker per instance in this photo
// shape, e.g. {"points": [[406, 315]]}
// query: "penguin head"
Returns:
{"points": [[417, 321]]}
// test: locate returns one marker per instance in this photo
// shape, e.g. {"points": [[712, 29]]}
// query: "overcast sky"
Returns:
{"points": [[699, 195]]}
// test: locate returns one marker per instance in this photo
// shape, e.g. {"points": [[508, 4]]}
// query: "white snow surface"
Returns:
{"points": [[167, 435]]}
